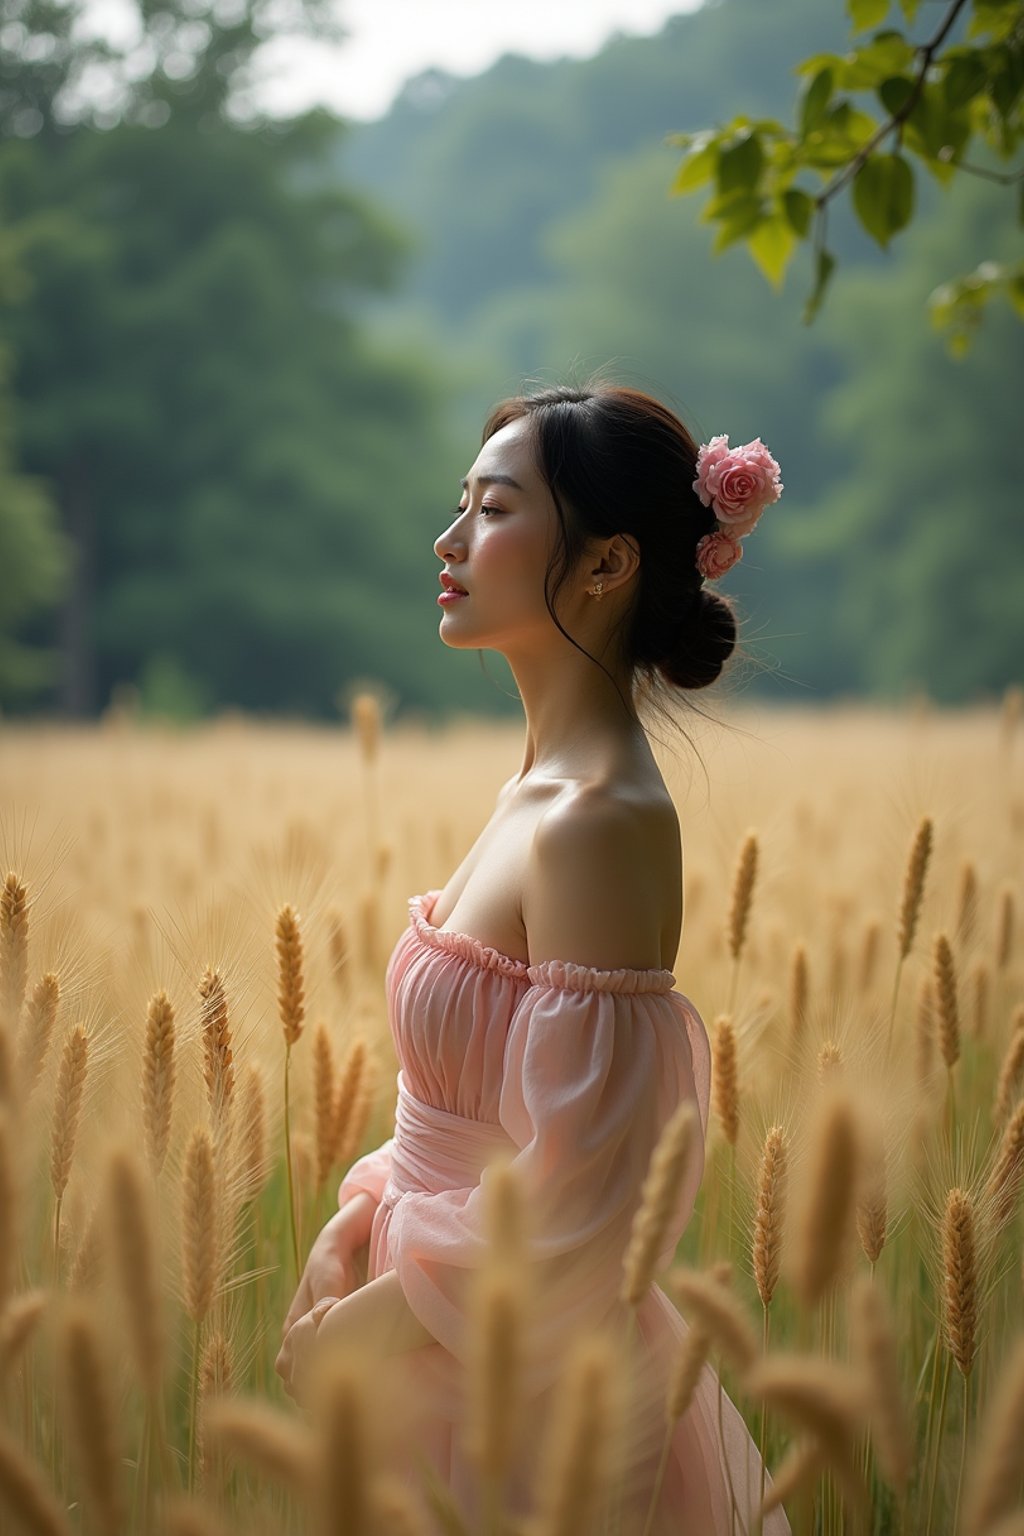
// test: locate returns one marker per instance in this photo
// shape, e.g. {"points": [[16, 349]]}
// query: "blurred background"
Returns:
{"points": [[265, 267]]}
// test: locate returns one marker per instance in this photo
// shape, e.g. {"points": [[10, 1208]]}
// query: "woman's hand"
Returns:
{"points": [[296, 1353], [331, 1268]]}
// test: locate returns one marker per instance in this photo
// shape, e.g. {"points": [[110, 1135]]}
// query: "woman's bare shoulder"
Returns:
{"points": [[600, 873]]}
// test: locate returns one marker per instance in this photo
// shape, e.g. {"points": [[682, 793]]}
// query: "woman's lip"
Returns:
{"points": [[450, 596]]}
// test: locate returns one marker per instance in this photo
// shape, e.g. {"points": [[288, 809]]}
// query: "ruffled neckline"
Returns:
{"points": [[554, 973]]}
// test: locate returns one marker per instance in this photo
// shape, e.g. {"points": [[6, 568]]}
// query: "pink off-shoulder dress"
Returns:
{"points": [[572, 1071]]}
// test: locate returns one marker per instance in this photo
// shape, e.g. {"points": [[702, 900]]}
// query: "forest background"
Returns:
{"points": [[246, 363]]}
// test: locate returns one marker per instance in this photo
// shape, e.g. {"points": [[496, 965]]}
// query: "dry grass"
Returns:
{"points": [[269, 869]]}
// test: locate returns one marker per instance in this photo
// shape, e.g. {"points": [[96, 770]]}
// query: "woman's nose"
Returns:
{"points": [[448, 542]]}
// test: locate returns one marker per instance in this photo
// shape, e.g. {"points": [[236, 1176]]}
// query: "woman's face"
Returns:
{"points": [[498, 547]]}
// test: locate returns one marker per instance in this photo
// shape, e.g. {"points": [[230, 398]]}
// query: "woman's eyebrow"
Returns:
{"points": [[492, 480]]}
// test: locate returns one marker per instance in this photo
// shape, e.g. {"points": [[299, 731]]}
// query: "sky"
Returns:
{"points": [[391, 40]]}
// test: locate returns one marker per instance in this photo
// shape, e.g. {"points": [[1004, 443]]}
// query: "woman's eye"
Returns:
{"points": [[458, 511]]}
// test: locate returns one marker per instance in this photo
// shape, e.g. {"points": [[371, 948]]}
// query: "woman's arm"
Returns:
{"points": [[379, 1312], [375, 1317], [330, 1270]]}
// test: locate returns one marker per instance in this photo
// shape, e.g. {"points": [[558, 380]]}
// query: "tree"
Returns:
{"points": [[233, 465], [936, 100]]}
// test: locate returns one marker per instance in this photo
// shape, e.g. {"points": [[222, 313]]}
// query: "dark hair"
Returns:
{"points": [[617, 461]]}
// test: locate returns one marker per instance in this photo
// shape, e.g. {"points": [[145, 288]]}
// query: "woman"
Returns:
{"points": [[531, 999]]}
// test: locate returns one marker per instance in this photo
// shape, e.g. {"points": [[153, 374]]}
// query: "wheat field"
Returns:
{"points": [[194, 1047]]}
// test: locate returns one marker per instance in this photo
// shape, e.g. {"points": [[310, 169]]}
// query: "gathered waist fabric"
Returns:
{"points": [[434, 1149]]}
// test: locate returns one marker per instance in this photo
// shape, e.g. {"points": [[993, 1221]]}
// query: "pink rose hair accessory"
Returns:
{"points": [[738, 483]]}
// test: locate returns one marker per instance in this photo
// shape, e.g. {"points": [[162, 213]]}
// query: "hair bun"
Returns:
{"points": [[704, 644]]}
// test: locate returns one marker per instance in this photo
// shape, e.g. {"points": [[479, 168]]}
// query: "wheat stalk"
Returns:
{"points": [[825, 1400], [158, 1077], [323, 1099], [945, 998], [1011, 1071], [87, 1262], [874, 1346], [18, 1322], [215, 1380], [967, 902], [290, 992], [979, 996], [830, 1062], [718, 1313], [218, 1056], [13, 950], [91, 1414], [913, 885], [870, 946], [200, 1229], [342, 1475], [923, 1033], [495, 1365], [994, 1483], [659, 1201], [8, 1211], [1005, 918], [252, 1131], [872, 1204], [1007, 1170], [579, 1441], [772, 1178], [798, 988], [67, 1107], [742, 893], [350, 1079], [26, 1495], [960, 1279], [829, 1193], [724, 1082], [136, 1267], [801, 1465], [37, 1031], [338, 948], [274, 1444]]}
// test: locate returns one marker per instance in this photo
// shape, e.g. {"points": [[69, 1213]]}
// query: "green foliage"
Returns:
{"points": [[34, 564], [239, 469], [935, 103]]}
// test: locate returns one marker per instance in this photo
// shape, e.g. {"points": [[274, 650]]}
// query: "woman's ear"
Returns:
{"points": [[620, 557]]}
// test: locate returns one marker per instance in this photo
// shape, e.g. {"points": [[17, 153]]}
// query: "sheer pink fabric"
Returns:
{"points": [[573, 1071]]}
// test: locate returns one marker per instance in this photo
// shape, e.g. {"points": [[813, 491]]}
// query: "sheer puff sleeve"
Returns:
{"points": [[595, 1062], [367, 1175]]}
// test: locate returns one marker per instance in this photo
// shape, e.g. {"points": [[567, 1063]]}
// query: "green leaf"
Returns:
{"points": [[866, 13], [888, 53], [1015, 292], [771, 246], [883, 195], [744, 214], [824, 268], [798, 207], [909, 9], [842, 133], [965, 76], [816, 61], [698, 168], [740, 164], [814, 98], [894, 93]]}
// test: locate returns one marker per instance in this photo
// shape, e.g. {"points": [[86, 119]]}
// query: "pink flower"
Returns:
{"points": [[738, 482], [717, 552]]}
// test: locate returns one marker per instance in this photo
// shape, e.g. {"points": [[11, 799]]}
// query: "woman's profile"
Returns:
{"points": [[531, 999]]}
